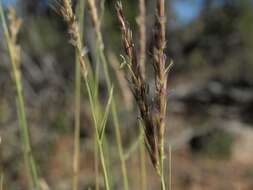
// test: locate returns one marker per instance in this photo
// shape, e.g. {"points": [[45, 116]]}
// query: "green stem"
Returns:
{"points": [[170, 168], [96, 164], [28, 158], [115, 120], [100, 48], [101, 153], [99, 143], [143, 166], [163, 186], [161, 164], [76, 156]]}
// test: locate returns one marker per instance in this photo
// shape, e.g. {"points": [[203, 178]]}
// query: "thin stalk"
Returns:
{"points": [[163, 186], [143, 166], [142, 35], [76, 157], [100, 46], [103, 164], [170, 168], [96, 165], [161, 164], [142, 59], [25, 156], [64, 7], [99, 142], [28, 158], [115, 122]]}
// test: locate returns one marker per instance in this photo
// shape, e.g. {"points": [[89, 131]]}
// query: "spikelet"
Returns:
{"points": [[139, 88], [63, 7]]}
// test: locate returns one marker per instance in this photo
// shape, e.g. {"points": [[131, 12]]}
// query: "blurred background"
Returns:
{"points": [[210, 101]]}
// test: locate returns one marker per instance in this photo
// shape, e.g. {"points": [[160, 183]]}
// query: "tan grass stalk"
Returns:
{"points": [[96, 22], [143, 166], [170, 168], [141, 20]]}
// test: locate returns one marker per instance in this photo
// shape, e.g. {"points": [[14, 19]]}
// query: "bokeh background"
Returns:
{"points": [[210, 102]]}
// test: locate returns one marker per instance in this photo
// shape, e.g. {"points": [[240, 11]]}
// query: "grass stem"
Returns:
{"points": [[100, 47], [15, 62], [76, 157]]}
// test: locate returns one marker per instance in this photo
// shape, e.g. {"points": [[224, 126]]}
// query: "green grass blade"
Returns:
{"points": [[107, 111]]}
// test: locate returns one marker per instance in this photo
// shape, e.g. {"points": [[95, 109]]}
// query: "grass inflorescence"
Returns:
{"points": [[152, 115]]}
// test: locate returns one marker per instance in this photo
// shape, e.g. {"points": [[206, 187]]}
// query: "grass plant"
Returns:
{"points": [[152, 116], [152, 113], [75, 39], [102, 58]]}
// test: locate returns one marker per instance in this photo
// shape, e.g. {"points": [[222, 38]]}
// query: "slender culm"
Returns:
{"points": [[96, 24], [160, 68], [75, 39], [10, 34], [142, 35], [95, 21], [141, 20], [76, 155]]}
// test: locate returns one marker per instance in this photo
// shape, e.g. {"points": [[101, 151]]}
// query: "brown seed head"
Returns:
{"points": [[139, 87], [66, 12]]}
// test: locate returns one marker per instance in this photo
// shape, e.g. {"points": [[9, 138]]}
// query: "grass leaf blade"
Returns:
{"points": [[105, 117]]}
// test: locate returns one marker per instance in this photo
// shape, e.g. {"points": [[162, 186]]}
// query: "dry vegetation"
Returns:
{"points": [[108, 158]]}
